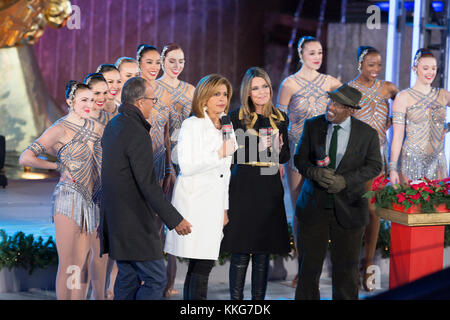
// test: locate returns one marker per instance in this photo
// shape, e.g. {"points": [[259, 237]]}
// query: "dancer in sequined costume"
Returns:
{"points": [[173, 61], [150, 64], [149, 61], [181, 93], [128, 68], [114, 82], [303, 95], [375, 112], [75, 141], [97, 83], [419, 115]]}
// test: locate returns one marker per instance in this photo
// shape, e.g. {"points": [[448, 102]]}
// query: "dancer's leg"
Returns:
{"points": [[295, 182], [97, 270], [73, 252], [111, 275], [370, 241]]}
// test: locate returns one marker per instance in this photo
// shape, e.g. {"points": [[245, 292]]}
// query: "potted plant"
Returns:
{"points": [[27, 263], [420, 196]]}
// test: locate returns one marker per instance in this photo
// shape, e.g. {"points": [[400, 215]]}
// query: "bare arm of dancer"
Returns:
{"points": [[48, 142], [399, 113], [392, 91], [169, 178], [285, 93]]}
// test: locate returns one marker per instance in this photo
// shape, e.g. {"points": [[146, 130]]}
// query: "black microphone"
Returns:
{"points": [[265, 130], [323, 160], [227, 128]]}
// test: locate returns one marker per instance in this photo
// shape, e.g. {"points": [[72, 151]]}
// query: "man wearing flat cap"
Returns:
{"points": [[337, 154]]}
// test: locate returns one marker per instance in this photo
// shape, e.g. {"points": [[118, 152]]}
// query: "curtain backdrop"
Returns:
{"points": [[221, 36]]}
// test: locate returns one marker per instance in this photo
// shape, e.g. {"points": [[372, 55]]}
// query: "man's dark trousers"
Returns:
{"points": [[140, 280], [345, 249]]}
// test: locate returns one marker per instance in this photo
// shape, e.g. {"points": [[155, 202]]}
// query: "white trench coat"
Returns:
{"points": [[201, 190]]}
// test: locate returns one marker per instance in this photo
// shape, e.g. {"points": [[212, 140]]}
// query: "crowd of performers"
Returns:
{"points": [[245, 216]]}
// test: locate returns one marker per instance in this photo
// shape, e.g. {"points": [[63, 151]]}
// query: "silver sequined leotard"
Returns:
{"points": [[79, 199], [422, 153], [179, 110], [374, 110], [309, 101], [159, 120]]}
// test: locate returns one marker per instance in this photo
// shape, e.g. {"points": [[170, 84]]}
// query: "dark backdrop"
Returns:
{"points": [[221, 36]]}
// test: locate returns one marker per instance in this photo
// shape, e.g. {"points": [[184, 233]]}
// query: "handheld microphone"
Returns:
{"points": [[227, 128], [265, 131]]}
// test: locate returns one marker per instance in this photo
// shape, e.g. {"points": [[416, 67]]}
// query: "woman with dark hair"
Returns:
{"points": [[303, 95], [419, 121], [201, 189], [375, 112], [75, 141], [150, 64], [149, 61], [114, 82], [257, 224], [173, 61], [181, 92], [97, 83]]}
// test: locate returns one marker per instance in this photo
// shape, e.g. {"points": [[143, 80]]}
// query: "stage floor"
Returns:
{"points": [[25, 205]]}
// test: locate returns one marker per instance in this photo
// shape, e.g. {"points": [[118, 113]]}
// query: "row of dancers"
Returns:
{"points": [[418, 120]]}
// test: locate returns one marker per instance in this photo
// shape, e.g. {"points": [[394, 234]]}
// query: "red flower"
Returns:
{"points": [[418, 186], [415, 197], [401, 197], [379, 183], [428, 190]]}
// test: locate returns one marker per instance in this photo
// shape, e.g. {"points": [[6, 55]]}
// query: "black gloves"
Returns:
{"points": [[323, 176], [338, 185], [326, 178]]}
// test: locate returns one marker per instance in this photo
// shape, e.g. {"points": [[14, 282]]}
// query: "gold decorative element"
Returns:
{"points": [[414, 220], [57, 12], [24, 21], [262, 164]]}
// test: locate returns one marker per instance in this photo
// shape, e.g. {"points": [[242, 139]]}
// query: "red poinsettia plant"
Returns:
{"points": [[421, 195]]}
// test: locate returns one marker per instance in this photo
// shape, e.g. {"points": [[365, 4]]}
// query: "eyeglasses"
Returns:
{"points": [[155, 100]]}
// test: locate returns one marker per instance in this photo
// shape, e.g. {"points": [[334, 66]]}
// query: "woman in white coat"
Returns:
{"points": [[201, 189]]}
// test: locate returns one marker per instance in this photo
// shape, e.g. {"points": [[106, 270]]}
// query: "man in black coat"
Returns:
{"points": [[132, 197], [330, 205]]}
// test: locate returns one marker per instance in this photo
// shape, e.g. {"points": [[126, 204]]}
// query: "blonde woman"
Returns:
{"points": [[257, 224], [201, 189]]}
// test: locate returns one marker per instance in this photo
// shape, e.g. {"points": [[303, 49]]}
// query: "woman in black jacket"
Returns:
{"points": [[257, 218]]}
